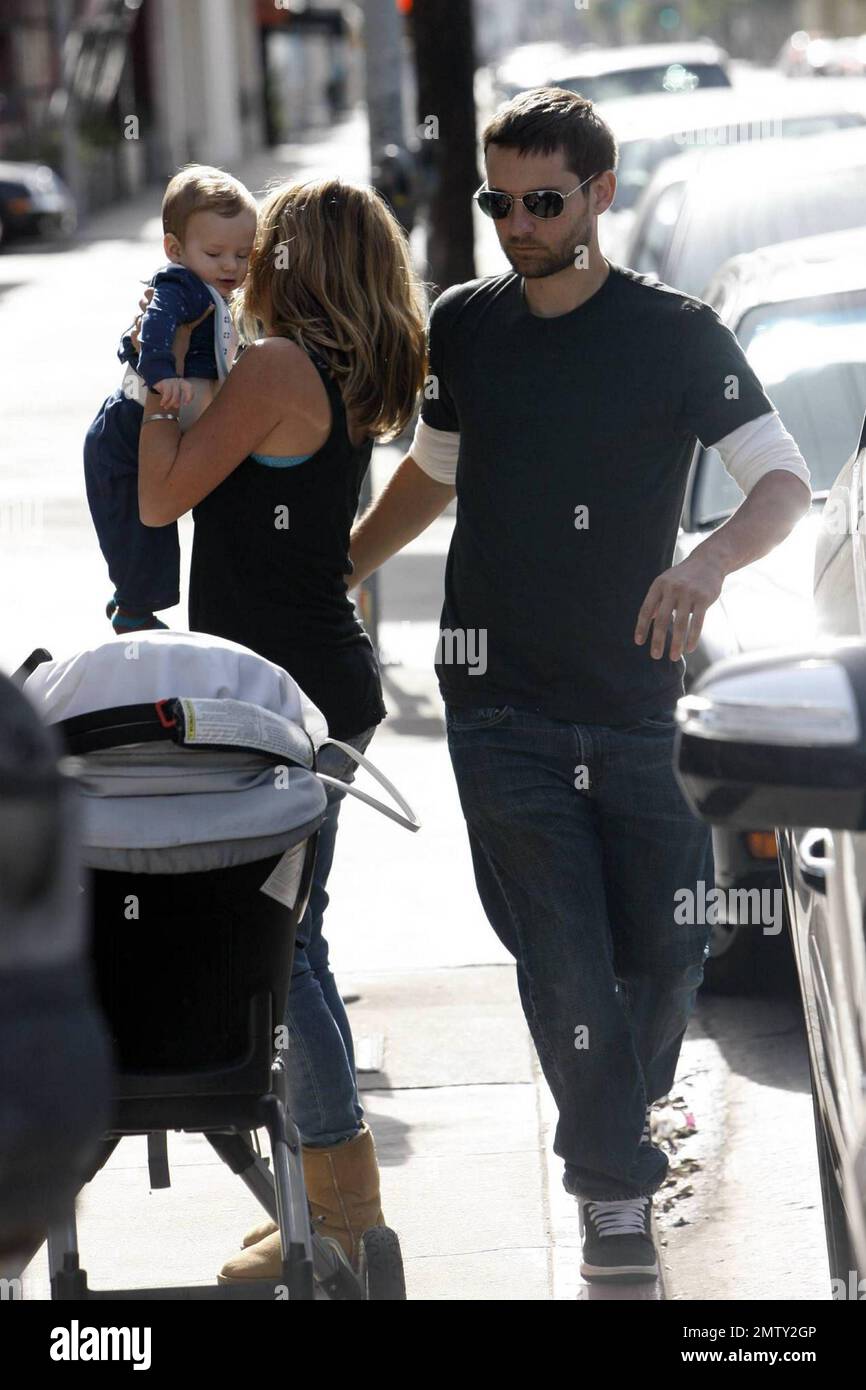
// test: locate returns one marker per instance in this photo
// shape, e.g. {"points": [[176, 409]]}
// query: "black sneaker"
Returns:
{"points": [[617, 1240]]}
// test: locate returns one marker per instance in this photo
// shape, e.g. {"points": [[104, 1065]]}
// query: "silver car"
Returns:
{"points": [[650, 130], [799, 312], [779, 738], [706, 206]]}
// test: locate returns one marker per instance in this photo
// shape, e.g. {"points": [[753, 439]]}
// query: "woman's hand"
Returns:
{"points": [[135, 335], [181, 337]]}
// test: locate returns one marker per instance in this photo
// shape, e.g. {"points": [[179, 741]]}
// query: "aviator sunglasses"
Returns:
{"points": [[541, 202]]}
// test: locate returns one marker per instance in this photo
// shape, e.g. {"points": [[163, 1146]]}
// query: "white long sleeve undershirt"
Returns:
{"points": [[748, 452]]}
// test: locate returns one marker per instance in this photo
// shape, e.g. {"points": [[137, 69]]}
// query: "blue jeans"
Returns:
{"points": [[320, 1061], [580, 838], [143, 561]]}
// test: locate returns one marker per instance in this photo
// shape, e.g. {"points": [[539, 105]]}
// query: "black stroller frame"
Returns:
{"points": [[192, 1004]]}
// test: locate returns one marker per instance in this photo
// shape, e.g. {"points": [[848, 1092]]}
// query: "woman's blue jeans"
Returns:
{"points": [[582, 843], [320, 1060]]}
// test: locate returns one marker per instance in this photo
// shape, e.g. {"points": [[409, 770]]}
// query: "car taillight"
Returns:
{"points": [[761, 844], [19, 206]]}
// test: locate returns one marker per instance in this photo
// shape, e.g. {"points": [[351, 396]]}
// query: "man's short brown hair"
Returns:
{"points": [[546, 119], [200, 188]]}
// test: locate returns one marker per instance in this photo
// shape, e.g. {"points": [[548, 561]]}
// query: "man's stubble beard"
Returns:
{"points": [[556, 258]]}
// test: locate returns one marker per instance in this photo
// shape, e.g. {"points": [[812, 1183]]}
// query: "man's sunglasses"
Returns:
{"points": [[541, 202]]}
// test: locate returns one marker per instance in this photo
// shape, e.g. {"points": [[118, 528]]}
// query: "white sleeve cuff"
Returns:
{"points": [[759, 447], [435, 452]]}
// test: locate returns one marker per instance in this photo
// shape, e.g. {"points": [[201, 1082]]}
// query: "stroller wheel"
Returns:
{"points": [[380, 1266]]}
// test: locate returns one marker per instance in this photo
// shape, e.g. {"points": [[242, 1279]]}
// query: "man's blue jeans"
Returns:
{"points": [[320, 1061], [580, 838]]}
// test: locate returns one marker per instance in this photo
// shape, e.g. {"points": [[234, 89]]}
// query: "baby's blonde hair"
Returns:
{"points": [[201, 188]]}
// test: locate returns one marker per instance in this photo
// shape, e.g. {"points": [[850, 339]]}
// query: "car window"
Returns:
{"points": [[836, 609], [745, 216], [639, 159], [632, 82], [810, 356], [656, 230]]}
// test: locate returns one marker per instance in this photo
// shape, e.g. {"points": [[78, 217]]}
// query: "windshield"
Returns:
{"points": [[810, 357], [636, 82], [639, 159]]}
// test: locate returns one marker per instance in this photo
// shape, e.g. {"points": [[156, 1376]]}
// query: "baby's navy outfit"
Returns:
{"points": [[144, 561]]}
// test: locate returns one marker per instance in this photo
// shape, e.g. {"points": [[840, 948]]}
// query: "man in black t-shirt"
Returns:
{"points": [[562, 408]]}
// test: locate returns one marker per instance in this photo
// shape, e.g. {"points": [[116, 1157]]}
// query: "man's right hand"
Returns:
{"points": [[407, 505]]}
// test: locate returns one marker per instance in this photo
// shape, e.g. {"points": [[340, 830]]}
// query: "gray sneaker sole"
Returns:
{"points": [[619, 1272]]}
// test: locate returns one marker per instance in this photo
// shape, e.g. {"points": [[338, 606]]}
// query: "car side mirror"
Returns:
{"points": [[777, 738]]}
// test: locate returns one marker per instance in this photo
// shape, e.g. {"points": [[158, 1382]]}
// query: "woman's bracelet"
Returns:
{"points": [[159, 415]]}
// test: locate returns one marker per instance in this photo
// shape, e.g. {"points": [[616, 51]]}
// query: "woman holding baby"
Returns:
{"points": [[272, 472]]}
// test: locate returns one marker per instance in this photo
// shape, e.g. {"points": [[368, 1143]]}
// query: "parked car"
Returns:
{"points": [[651, 129], [799, 312], [34, 200], [705, 206], [605, 74], [779, 738], [528, 66]]}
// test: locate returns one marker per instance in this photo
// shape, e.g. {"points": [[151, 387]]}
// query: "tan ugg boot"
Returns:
{"points": [[342, 1183], [258, 1233]]}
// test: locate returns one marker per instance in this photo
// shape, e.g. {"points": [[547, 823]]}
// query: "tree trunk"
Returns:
{"points": [[444, 46]]}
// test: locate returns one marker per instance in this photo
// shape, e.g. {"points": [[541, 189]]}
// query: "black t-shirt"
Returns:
{"points": [[576, 434]]}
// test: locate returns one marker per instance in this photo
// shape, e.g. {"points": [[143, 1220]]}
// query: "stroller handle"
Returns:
{"points": [[409, 820], [28, 666]]}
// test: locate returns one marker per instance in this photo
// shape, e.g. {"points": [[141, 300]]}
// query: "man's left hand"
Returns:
{"points": [[680, 596]]}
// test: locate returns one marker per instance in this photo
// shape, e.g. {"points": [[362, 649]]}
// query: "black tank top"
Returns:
{"points": [[270, 549]]}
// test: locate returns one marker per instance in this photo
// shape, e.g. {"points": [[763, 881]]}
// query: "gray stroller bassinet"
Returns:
{"points": [[200, 806]]}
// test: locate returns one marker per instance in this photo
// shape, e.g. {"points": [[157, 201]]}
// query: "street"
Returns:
{"points": [[461, 1116]]}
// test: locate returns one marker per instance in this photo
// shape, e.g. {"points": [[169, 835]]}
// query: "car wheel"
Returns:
{"points": [[58, 227], [744, 960]]}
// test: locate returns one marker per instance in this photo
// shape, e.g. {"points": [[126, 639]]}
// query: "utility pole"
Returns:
{"points": [[383, 92], [443, 38]]}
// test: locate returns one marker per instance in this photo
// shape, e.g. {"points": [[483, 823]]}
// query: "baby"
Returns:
{"points": [[209, 221]]}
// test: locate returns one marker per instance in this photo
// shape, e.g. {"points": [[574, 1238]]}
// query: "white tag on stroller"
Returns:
{"points": [[239, 724], [285, 880]]}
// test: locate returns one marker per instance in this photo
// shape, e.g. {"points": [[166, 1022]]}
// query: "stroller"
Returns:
{"points": [[200, 806]]}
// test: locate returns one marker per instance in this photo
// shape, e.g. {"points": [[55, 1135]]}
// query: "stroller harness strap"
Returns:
{"points": [[226, 724], [111, 728]]}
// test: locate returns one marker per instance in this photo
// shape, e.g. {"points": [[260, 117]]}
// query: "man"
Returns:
{"points": [[565, 399]]}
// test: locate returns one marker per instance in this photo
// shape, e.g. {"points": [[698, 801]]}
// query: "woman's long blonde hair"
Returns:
{"points": [[330, 269]]}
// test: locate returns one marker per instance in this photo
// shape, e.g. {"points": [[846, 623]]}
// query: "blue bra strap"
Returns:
{"points": [[280, 460]]}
